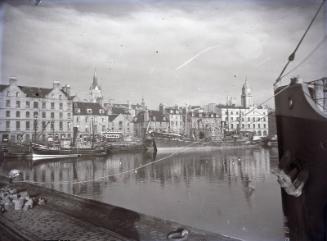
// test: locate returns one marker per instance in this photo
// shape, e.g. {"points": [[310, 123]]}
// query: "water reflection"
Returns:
{"points": [[228, 191]]}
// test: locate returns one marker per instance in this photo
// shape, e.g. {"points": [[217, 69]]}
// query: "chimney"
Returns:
{"points": [[67, 89], [56, 84], [12, 81]]}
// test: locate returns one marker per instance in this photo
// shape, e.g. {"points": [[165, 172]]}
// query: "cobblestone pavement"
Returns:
{"points": [[46, 224], [67, 217]]}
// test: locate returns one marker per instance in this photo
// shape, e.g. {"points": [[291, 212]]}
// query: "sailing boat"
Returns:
{"points": [[301, 116]]}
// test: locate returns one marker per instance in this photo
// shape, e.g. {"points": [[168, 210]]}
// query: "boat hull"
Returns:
{"points": [[302, 132]]}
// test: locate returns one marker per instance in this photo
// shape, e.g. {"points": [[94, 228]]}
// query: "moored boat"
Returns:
{"points": [[302, 142]]}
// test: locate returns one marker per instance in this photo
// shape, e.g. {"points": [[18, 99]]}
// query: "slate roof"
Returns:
{"points": [[159, 117], [118, 110], [112, 117], [84, 106], [35, 92]]}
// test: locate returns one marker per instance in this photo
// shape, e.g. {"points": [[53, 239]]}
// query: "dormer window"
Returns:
{"points": [[77, 110], [101, 111], [171, 111], [89, 111]]}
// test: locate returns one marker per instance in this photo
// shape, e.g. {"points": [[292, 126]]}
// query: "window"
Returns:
{"points": [[52, 125], [253, 118], [242, 125], [17, 104], [264, 125], [17, 94], [120, 125], [52, 105], [264, 133], [52, 115], [68, 125], [44, 105], [28, 104], [263, 119], [77, 119], [7, 103], [61, 125], [35, 114], [7, 124], [253, 125], [60, 115], [249, 126], [249, 119], [17, 125], [60, 106], [258, 125], [77, 110], [44, 115], [27, 125], [36, 105], [17, 114], [8, 113], [69, 115], [232, 126]]}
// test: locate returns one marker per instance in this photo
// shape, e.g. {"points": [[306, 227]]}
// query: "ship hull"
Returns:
{"points": [[302, 132]]}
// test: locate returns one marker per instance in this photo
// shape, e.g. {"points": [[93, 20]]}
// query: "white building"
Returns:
{"points": [[245, 118], [33, 113]]}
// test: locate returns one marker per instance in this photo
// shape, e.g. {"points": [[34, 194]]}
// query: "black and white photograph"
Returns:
{"points": [[163, 120]]}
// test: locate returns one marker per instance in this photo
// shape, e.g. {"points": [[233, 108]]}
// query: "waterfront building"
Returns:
{"points": [[89, 119], [247, 118], [204, 125], [122, 123], [175, 120], [152, 120], [33, 113]]}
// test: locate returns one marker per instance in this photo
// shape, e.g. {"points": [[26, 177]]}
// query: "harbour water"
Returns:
{"points": [[227, 191]]}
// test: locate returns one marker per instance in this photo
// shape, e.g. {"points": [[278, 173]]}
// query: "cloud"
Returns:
{"points": [[136, 47]]}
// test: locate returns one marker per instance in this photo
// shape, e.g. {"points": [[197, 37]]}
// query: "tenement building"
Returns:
{"points": [[246, 118], [35, 114], [90, 119]]}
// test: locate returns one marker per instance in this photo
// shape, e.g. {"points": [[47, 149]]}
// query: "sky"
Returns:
{"points": [[173, 52]]}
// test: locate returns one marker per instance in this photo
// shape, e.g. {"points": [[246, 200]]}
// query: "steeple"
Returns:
{"points": [[246, 96], [95, 90], [95, 84]]}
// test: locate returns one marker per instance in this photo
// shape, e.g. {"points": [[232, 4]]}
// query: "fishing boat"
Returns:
{"points": [[46, 152], [301, 121]]}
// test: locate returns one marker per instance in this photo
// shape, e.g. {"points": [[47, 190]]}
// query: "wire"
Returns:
{"points": [[292, 55], [307, 57]]}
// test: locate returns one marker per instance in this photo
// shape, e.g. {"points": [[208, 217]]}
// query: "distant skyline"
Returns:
{"points": [[174, 52]]}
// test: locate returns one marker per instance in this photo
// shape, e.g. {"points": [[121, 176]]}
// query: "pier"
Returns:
{"points": [[69, 217]]}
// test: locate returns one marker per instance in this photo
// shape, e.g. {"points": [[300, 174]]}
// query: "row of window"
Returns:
{"points": [[242, 112], [17, 94], [35, 114], [44, 124], [86, 119], [248, 119], [89, 111], [36, 104], [232, 126]]}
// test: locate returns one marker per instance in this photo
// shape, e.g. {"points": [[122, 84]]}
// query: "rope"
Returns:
{"points": [[292, 55], [111, 175], [307, 57]]}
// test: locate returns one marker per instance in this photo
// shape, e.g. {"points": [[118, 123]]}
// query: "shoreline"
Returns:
{"points": [[120, 223]]}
